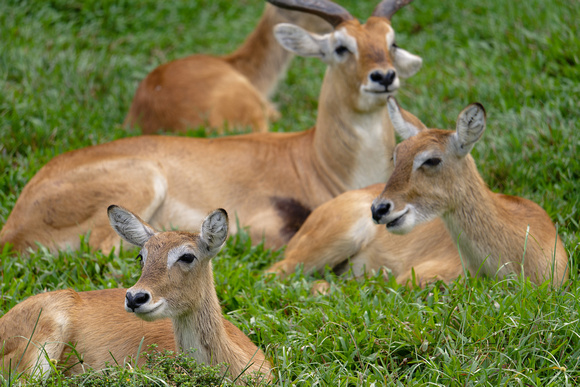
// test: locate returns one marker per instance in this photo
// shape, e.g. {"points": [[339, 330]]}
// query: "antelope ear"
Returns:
{"points": [[470, 127], [214, 230], [129, 226], [301, 42], [404, 123], [406, 63]]}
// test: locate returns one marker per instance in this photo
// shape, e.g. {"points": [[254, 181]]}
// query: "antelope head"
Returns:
{"points": [[431, 168], [364, 61], [177, 276]]}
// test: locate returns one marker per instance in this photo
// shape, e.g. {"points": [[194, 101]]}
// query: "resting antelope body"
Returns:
{"points": [[435, 176], [341, 234], [434, 202], [268, 181], [232, 90], [175, 294]]}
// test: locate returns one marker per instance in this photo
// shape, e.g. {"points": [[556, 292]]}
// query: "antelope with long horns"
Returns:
{"points": [[434, 203], [268, 181], [175, 296], [231, 90]]}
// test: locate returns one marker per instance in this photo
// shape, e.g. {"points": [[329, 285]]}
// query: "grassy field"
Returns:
{"points": [[68, 71]]}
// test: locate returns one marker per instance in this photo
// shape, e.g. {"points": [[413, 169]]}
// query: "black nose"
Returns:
{"points": [[385, 79], [380, 210], [135, 301]]}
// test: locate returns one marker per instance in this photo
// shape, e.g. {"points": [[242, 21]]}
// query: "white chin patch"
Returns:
{"points": [[369, 98], [377, 91], [404, 224], [151, 311]]}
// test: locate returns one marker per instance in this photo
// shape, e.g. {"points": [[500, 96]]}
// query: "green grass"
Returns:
{"points": [[68, 71]]}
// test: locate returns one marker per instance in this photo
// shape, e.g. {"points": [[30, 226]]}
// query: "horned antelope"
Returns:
{"points": [[233, 89], [268, 181], [175, 295], [434, 203]]}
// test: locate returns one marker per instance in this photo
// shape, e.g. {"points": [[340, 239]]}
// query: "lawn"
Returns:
{"points": [[68, 71]]}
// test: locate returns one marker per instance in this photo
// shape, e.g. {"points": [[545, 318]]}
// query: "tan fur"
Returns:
{"points": [[93, 322], [101, 331], [342, 229], [231, 91], [490, 228], [268, 181], [478, 219]]}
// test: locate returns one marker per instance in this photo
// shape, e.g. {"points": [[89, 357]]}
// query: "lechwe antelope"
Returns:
{"points": [[435, 176], [268, 181], [434, 198], [341, 234], [231, 90], [176, 288]]}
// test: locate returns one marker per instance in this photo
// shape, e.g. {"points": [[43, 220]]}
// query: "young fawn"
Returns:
{"points": [[435, 176], [175, 293], [434, 200]]}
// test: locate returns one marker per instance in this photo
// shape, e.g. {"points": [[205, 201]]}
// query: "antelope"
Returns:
{"points": [[434, 203], [341, 234], [269, 181], [232, 90], [175, 295]]}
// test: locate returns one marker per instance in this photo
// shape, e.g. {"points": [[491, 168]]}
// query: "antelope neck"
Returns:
{"points": [[260, 58], [352, 148], [475, 222], [203, 330]]}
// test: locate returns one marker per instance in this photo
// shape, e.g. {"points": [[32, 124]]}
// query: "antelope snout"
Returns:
{"points": [[383, 78], [134, 300], [380, 210]]}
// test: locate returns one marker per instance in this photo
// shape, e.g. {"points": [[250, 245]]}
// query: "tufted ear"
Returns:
{"points": [[300, 41], [404, 123], [470, 127], [214, 230], [129, 226]]}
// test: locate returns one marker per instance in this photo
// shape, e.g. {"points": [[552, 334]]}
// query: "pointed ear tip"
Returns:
{"points": [[284, 26], [480, 107], [219, 211], [112, 207]]}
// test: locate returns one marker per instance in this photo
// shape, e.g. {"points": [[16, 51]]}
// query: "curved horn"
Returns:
{"points": [[387, 8], [327, 10]]}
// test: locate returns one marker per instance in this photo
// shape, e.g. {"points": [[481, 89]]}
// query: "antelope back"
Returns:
{"points": [[177, 276]]}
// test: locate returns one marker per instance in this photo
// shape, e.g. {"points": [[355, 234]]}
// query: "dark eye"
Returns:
{"points": [[187, 258], [394, 46], [432, 162], [340, 50]]}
